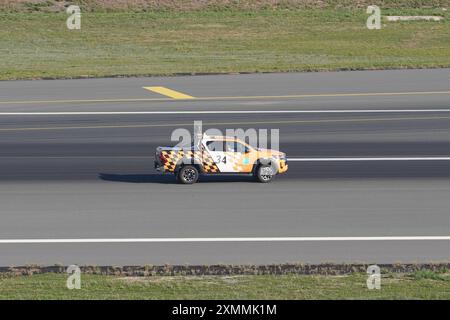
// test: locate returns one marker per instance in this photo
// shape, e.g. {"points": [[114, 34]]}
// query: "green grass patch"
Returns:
{"points": [[38, 45], [393, 286], [427, 274]]}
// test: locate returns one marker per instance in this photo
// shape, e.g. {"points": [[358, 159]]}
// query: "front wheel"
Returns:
{"points": [[187, 175], [265, 173]]}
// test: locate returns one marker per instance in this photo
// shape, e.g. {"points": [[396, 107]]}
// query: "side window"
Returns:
{"points": [[230, 146], [215, 145], [241, 148], [234, 146]]}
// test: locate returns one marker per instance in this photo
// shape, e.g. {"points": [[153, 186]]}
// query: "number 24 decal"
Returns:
{"points": [[220, 159]]}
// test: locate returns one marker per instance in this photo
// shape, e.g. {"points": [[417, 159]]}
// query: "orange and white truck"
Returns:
{"points": [[220, 155]]}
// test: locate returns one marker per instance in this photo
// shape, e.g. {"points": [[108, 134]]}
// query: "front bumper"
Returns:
{"points": [[283, 166]]}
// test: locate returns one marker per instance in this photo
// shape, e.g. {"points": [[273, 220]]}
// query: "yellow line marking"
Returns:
{"points": [[319, 95], [170, 93], [295, 96], [224, 123], [85, 101]]}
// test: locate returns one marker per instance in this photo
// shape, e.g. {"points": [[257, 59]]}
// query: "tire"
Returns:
{"points": [[187, 175], [264, 173]]}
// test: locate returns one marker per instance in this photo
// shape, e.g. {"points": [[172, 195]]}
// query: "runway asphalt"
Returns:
{"points": [[90, 175]]}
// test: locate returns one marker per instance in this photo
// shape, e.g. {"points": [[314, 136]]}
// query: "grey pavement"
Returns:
{"points": [[91, 176]]}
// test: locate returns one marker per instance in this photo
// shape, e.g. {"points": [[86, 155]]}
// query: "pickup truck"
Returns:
{"points": [[220, 155]]}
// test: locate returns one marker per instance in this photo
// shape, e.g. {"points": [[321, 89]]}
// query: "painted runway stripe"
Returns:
{"points": [[331, 159], [330, 111], [135, 126], [169, 93], [226, 239], [294, 159], [256, 97]]}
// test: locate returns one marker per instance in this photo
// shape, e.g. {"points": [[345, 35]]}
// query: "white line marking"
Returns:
{"points": [[370, 159], [429, 158], [80, 113], [236, 239], [330, 159], [414, 18]]}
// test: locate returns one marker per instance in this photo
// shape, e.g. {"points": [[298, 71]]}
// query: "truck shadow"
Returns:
{"points": [[169, 179]]}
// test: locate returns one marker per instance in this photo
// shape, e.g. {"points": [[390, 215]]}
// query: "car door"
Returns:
{"points": [[239, 156], [217, 151], [245, 157], [230, 156]]}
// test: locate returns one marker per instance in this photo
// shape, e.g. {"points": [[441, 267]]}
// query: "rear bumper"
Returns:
{"points": [[158, 166]]}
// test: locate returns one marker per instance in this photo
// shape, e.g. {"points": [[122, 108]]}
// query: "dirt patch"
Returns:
{"points": [[228, 270]]}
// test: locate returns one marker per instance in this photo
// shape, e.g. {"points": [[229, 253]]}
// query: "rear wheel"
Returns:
{"points": [[264, 173], [187, 175]]}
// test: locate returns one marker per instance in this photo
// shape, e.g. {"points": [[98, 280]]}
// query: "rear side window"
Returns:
{"points": [[215, 145]]}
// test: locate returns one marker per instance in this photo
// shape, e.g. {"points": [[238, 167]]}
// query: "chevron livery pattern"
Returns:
{"points": [[172, 158]]}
